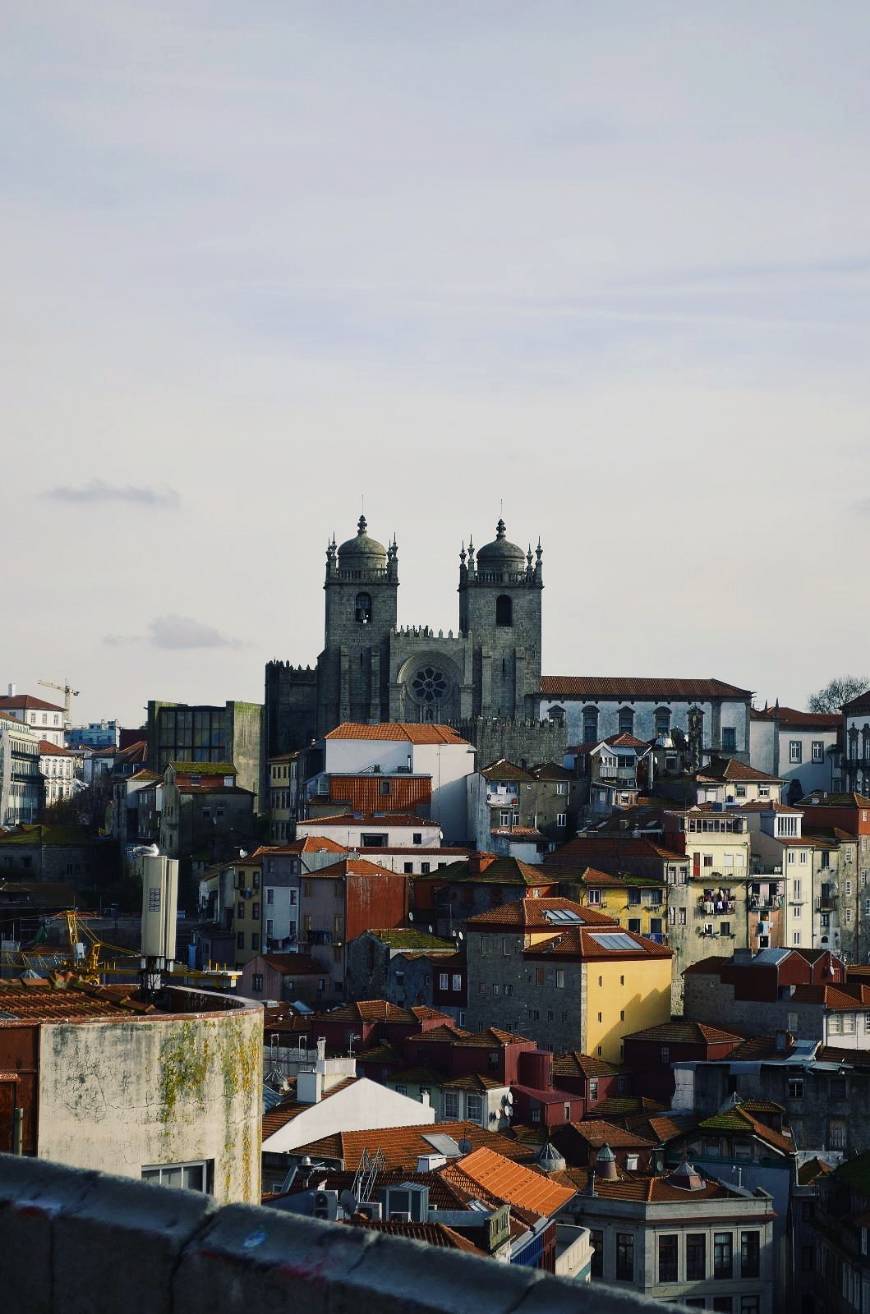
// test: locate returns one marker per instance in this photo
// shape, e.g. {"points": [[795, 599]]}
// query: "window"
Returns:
{"points": [[723, 1255], [504, 611], [417, 837], [443, 980], [796, 937], [723, 1304], [662, 721], [560, 978], [597, 1239], [566, 1110], [408, 868], [749, 1254], [625, 1256], [363, 609], [634, 925], [255, 911], [729, 739], [594, 896], [795, 751], [424, 868], [474, 1108], [795, 1088], [561, 819], [836, 1133], [696, 1256], [590, 724], [451, 1104], [626, 720], [665, 1054], [270, 896], [818, 750], [593, 1088], [255, 941], [257, 983], [667, 1258], [190, 1176], [240, 940], [456, 984]]}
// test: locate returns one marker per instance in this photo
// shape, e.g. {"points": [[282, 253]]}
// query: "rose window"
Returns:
{"points": [[429, 685]]}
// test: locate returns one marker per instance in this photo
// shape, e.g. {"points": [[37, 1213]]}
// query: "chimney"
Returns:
{"points": [[309, 1087], [605, 1164], [11, 690], [321, 1048]]}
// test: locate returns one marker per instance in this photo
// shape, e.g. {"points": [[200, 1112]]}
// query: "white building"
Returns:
{"points": [[57, 766], [20, 781], [385, 830], [45, 719], [595, 707], [780, 849], [799, 747], [422, 749], [329, 1097], [856, 743]]}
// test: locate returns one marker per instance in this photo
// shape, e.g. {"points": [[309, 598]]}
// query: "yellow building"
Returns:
{"points": [[565, 974], [639, 903]]}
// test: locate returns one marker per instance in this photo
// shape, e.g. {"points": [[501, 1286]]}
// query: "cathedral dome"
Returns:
{"points": [[362, 552], [500, 552]]}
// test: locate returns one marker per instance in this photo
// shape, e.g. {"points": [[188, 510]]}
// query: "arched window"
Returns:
{"points": [[626, 720], [363, 608], [865, 738], [590, 725], [504, 610], [663, 722]]}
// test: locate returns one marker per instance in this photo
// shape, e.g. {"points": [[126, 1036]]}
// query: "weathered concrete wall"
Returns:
{"points": [[121, 1095], [83, 1243]]}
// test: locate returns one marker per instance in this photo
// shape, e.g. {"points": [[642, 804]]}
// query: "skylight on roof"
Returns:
{"points": [[443, 1143], [562, 916], [614, 940]]}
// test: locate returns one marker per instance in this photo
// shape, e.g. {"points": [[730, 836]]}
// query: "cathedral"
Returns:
{"points": [[484, 679]]}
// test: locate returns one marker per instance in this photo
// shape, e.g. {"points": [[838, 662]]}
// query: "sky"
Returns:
{"points": [[604, 266]]}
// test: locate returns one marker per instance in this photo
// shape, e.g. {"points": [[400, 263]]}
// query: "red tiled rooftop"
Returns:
{"points": [[638, 686], [510, 1182], [531, 914], [410, 731], [402, 1146]]}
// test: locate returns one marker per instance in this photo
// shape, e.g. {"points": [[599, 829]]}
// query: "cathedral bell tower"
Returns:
{"points": [[500, 612], [361, 588]]}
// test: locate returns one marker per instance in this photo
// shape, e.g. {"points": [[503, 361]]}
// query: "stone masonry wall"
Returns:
{"points": [[74, 1242]]}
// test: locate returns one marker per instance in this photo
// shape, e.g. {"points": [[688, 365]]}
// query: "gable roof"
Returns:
{"points": [[724, 770], [598, 1132], [492, 869], [682, 1031], [411, 732], [738, 1119], [27, 702], [589, 850], [379, 819], [532, 914], [598, 943], [790, 716], [575, 1063], [503, 769], [638, 686], [402, 1146], [48, 749], [509, 1182]]}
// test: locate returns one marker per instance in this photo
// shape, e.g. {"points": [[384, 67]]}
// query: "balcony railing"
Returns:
{"points": [[758, 903], [715, 907]]}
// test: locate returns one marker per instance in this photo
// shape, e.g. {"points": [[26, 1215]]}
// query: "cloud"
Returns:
{"points": [[176, 633], [862, 507], [97, 490]]}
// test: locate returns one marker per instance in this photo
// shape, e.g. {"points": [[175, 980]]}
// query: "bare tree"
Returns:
{"points": [[839, 691]]}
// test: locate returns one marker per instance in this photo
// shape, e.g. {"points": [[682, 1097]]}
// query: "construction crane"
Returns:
{"points": [[68, 694], [90, 959]]}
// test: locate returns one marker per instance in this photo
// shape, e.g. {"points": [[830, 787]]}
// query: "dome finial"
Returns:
{"points": [[362, 526], [500, 529]]}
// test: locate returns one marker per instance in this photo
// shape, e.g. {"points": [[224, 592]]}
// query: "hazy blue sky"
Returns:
{"points": [[607, 262]]}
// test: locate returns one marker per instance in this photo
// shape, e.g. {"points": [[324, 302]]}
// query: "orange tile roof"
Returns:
{"points": [[720, 770], [28, 702], [434, 1234], [585, 942], [410, 731], [379, 819], [574, 1062], [48, 749], [349, 867], [682, 1031], [402, 1146], [509, 1181], [37, 1000], [597, 1132], [310, 844], [531, 914]]}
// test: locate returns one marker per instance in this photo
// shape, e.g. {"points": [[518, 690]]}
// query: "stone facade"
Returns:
{"points": [[484, 678]]}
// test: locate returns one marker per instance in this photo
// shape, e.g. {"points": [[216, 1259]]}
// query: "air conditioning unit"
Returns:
{"points": [[400, 1216]]}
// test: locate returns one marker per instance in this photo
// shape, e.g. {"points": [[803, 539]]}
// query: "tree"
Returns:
{"points": [[839, 691]]}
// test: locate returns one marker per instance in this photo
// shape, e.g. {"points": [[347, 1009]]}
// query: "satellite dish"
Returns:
{"points": [[461, 935], [410, 917], [243, 853], [509, 1099], [348, 1202]]}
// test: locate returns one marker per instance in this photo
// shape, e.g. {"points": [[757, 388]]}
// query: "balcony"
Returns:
{"points": [[757, 903], [715, 907]]}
